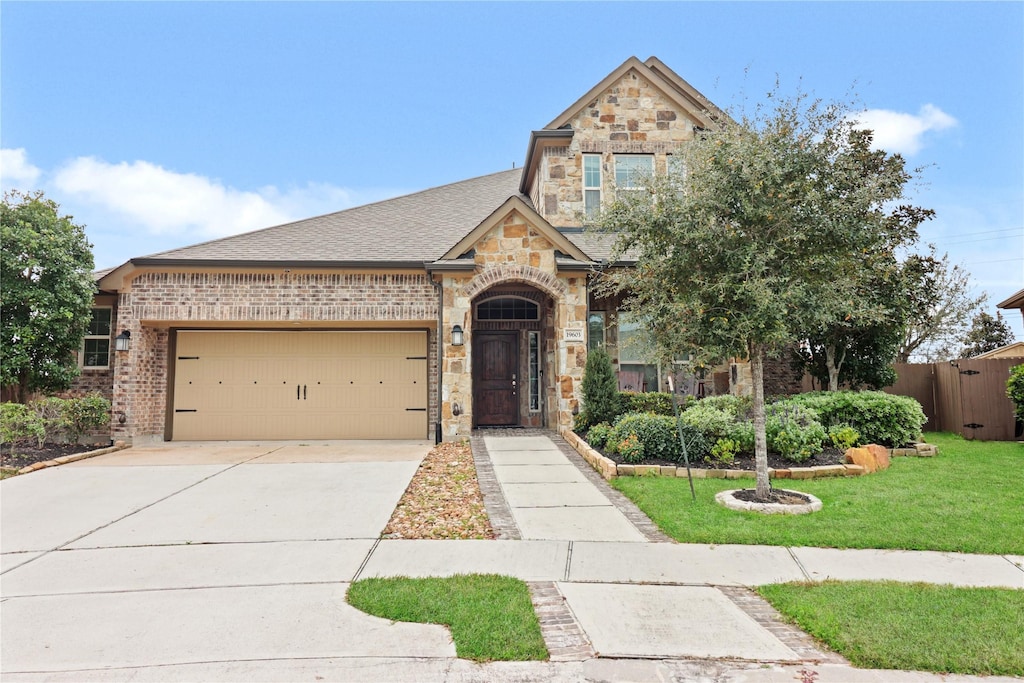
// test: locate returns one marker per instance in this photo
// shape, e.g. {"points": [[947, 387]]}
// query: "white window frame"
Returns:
{"points": [[98, 337], [592, 190], [627, 179]]}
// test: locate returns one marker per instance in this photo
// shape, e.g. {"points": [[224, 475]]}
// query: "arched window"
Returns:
{"points": [[507, 308]]}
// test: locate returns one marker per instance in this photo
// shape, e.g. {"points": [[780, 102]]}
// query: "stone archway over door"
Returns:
{"points": [[496, 378]]}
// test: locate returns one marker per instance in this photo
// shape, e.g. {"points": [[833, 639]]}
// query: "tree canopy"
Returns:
{"points": [[763, 230], [47, 296], [987, 333]]}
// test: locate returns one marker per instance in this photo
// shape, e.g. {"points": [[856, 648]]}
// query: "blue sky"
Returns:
{"points": [[164, 124]]}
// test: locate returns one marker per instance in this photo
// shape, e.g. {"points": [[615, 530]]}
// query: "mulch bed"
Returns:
{"points": [[778, 496], [830, 456], [443, 500], [29, 455]]}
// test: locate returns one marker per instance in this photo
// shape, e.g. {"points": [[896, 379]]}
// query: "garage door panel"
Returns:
{"points": [[296, 385]]}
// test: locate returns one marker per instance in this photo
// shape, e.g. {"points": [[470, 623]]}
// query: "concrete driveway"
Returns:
{"points": [[154, 557]]}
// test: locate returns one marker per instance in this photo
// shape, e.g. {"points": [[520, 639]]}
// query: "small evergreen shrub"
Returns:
{"points": [[793, 432], [843, 436], [659, 436], [85, 414], [737, 406], [631, 449], [713, 422], [600, 389], [20, 425], [881, 418], [742, 432], [657, 402], [724, 451], [598, 434]]}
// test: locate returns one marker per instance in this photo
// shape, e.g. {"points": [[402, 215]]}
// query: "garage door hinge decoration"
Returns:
{"points": [[185, 410]]}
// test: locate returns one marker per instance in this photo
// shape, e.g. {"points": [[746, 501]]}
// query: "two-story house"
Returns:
{"points": [[427, 315]]}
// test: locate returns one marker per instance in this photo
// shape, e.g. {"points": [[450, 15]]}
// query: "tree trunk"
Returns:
{"points": [[760, 440], [833, 365]]}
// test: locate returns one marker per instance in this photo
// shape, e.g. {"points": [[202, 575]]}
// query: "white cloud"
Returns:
{"points": [[16, 173], [904, 133], [163, 201]]}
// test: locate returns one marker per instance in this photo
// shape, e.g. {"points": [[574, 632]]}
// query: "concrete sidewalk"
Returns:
{"points": [[231, 563]]}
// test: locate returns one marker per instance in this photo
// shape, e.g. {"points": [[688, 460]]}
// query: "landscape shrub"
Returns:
{"points": [[793, 431], [737, 406], [598, 434], [20, 425], [631, 449], [85, 414], [600, 391], [843, 436], [713, 422], [657, 402], [742, 432], [659, 437], [881, 418], [724, 451], [1015, 389]]}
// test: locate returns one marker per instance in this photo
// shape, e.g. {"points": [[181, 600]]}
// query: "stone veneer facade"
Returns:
{"points": [[153, 303], [630, 117], [514, 252]]}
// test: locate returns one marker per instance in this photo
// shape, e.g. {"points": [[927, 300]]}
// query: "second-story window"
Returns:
{"points": [[591, 184], [631, 169]]}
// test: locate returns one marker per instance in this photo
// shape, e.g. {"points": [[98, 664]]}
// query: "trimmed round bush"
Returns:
{"points": [[713, 422], [657, 402], [737, 406], [881, 418], [598, 434], [659, 437]]}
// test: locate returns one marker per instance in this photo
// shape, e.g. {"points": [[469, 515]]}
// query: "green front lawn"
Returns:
{"points": [[491, 617], [968, 499], [915, 627]]}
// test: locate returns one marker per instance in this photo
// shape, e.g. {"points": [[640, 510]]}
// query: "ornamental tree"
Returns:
{"points": [[987, 333], [46, 270], [763, 230]]}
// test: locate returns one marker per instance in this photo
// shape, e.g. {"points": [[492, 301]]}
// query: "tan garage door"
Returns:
{"points": [[300, 385]]}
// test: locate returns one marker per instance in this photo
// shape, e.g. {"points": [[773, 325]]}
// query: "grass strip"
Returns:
{"points": [[913, 627], [969, 499], [491, 617]]}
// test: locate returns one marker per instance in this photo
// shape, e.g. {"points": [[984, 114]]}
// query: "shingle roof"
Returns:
{"points": [[414, 228]]}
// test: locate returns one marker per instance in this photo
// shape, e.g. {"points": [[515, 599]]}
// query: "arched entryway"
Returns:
{"points": [[513, 356]]}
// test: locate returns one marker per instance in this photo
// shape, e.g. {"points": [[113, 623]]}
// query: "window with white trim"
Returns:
{"points": [[96, 344], [631, 169], [591, 184]]}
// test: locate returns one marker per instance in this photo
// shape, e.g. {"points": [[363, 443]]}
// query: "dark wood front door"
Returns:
{"points": [[495, 378]]}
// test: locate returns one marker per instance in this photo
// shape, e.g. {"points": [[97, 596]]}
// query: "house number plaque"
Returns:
{"points": [[572, 335]]}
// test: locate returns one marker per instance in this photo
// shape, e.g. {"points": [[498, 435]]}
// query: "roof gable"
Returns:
{"points": [[671, 85], [516, 204]]}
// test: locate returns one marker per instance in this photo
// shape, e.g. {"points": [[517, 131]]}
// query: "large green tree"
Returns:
{"points": [[761, 232], [47, 294], [987, 333], [940, 308]]}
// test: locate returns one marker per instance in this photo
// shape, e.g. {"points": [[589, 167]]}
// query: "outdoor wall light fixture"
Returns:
{"points": [[457, 335], [123, 341]]}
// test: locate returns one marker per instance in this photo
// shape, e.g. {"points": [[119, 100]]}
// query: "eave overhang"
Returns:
{"points": [[539, 139]]}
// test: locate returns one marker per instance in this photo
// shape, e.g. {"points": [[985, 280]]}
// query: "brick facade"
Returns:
{"points": [[155, 302]]}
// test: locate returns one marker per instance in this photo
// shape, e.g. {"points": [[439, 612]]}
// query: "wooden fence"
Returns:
{"points": [[966, 396]]}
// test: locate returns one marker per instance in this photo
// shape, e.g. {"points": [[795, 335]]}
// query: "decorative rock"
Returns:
{"points": [[903, 452], [854, 470], [801, 472], [925, 450], [881, 454], [727, 499], [626, 470], [783, 474], [863, 457]]}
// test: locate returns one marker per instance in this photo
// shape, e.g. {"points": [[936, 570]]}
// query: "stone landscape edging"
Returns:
{"points": [[64, 459], [609, 469]]}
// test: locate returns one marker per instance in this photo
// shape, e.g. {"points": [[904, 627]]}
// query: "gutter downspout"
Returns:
{"points": [[440, 351]]}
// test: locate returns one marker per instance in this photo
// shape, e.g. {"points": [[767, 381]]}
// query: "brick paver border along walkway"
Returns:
{"points": [[563, 635]]}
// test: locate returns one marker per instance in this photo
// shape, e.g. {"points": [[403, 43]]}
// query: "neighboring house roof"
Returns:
{"points": [[408, 230], [1015, 301], [1014, 350]]}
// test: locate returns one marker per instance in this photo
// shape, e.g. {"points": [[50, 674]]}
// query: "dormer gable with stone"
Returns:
{"points": [[627, 125]]}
